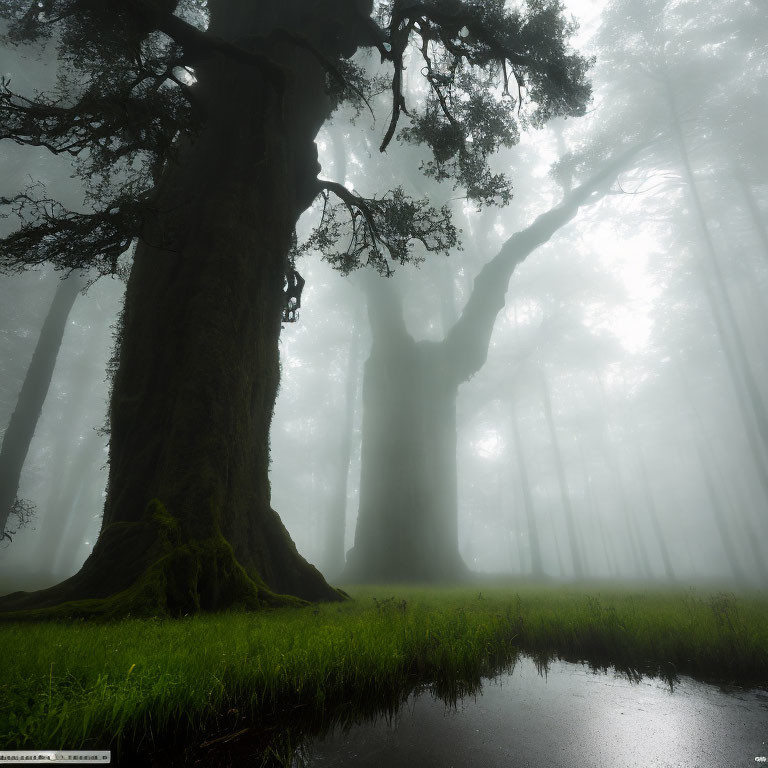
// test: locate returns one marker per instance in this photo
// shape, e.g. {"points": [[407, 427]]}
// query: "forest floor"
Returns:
{"points": [[279, 674]]}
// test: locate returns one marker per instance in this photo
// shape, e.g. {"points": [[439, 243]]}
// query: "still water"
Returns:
{"points": [[570, 718]]}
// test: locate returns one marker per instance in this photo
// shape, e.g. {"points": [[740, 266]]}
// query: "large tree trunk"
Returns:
{"points": [[187, 523], [408, 520], [34, 390]]}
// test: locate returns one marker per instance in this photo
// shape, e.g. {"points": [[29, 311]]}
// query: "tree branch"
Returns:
{"points": [[114, 124], [68, 239], [466, 344], [198, 43], [391, 224]]}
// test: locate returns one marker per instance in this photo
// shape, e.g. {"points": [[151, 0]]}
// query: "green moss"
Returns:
{"points": [[159, 516], [181, 577]]}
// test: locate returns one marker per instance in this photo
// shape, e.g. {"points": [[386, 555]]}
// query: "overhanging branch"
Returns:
{"points": [[393, 223]]}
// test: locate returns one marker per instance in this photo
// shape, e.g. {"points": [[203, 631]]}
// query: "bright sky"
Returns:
{"points": [[625, 257]]}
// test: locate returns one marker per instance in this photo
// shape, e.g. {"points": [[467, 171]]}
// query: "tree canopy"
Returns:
{"points": [[127, 97]]}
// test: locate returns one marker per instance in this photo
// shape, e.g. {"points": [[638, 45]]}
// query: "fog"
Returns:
{"points": [[592, 407]]}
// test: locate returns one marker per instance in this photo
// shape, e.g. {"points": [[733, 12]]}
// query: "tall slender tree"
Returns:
{"points": [[562, 481], [534, 546], [336, 525], [34, 390]]}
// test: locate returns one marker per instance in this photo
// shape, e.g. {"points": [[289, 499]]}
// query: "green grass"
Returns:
{"points": [[127, 684]]}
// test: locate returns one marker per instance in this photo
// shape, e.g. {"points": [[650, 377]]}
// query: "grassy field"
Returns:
{"points": [[126, 685]]}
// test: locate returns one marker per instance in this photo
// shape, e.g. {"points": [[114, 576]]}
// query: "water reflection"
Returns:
{"points": [[568, 717]]}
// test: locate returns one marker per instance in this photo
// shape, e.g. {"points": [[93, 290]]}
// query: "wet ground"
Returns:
{"points": [[569, 718]]}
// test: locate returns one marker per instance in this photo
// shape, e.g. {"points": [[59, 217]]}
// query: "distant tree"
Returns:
{"points": [[337, 506], [29, 405], [696, 63], [193, 124], [408, 521]]}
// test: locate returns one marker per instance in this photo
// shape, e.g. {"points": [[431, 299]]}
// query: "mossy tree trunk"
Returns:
{"points": [[188, 523]]}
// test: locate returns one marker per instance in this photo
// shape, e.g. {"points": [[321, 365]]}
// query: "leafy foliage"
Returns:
{"points": [[69, 239], [463, 136], [118, 108], [375, 228], [471, 52], [126, 98], [350, 84]]}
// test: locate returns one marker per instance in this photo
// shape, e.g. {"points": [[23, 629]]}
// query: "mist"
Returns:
{"points": [[592, 407], [359, 355]]}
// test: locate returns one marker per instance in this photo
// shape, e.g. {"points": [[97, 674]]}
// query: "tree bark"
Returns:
{"points": [[34, 390], [187, 523]]}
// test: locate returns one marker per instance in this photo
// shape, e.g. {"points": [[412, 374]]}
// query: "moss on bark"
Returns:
{"points": [[180, 577]]}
